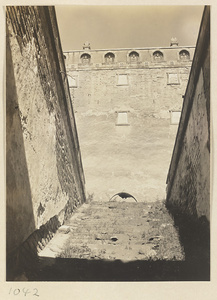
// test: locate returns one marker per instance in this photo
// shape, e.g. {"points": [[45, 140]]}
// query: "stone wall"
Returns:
{"points": [[45, 180], [122, 57], [188, 182], [135, 156]]}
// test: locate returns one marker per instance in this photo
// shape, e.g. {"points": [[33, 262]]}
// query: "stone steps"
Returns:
{"points": [[114, 241], [117, 230]]}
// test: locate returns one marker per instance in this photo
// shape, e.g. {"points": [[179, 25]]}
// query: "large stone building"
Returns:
{"points": [[127, 105]]}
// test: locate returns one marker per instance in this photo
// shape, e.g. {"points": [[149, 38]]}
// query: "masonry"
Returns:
{"points": [[127, 107], [45, 180], [188, 181]]}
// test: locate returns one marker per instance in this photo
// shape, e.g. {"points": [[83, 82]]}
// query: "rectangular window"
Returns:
{"points": [[175, 117], [122, 79], [122, 118], [172, 78], [72, 80]]}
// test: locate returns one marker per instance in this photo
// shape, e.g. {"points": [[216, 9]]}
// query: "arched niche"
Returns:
{"points": [[184, 55], [134, 56], [85, 58], [109, 57], [158, 55]]}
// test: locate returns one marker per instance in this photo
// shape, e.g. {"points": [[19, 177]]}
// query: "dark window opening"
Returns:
{"points": [[85, 58], [184, 55], [134, 56], [158, 55], [109, 58], [122, 195]]}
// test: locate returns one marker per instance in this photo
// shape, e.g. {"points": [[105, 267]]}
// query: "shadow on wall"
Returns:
{"points": [[194, 235], [19, 209]]}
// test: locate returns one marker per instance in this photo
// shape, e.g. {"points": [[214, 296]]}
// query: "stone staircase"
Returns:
{"points": [[114, 241]]}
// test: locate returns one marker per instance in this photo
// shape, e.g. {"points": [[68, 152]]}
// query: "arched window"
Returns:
{"points": [[184, 55], [134, 56], [158, 55], [85, 58], [109, 58]]}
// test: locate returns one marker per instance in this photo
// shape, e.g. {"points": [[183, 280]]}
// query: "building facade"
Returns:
{"points": [[127, 106]]}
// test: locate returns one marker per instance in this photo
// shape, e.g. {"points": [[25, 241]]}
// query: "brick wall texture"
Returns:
{"points": [[45, 179], [133, 158]]}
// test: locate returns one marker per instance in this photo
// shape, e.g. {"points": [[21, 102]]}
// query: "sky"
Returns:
{"points": [[127, 26]]}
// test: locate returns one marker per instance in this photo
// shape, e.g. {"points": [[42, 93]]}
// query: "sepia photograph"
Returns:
{"points": [[108, 143]]}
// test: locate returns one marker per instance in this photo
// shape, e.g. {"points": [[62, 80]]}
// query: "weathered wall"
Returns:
{"points": [[122, 56], [146, 89], [44, 172], [188, 183], [132, 158]]}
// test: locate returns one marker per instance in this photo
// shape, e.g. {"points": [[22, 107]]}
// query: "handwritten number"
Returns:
{"points": [[26, 291], [16, 292], [36, 293]]}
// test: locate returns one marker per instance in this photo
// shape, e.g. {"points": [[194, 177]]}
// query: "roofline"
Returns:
{"points": [[128, 49]]}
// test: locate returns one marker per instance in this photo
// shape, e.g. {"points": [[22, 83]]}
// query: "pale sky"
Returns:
{"points": [[127, 26]]}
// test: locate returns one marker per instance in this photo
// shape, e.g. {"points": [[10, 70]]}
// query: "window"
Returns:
{"points": [[122, 118], [134, 56], [122, 79], [172, 78], [184, 55], [158, 55], [85, 58], [109, 58], [72, 81], [175, 117]]}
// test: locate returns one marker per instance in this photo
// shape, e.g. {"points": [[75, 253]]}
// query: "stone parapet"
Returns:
{"points": [[126, 58]]}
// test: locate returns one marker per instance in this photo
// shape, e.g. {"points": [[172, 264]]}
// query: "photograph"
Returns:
{"points": [[107, 143]]}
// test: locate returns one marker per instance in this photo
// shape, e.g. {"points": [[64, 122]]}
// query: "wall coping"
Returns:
{"points": [[128, 49]]}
